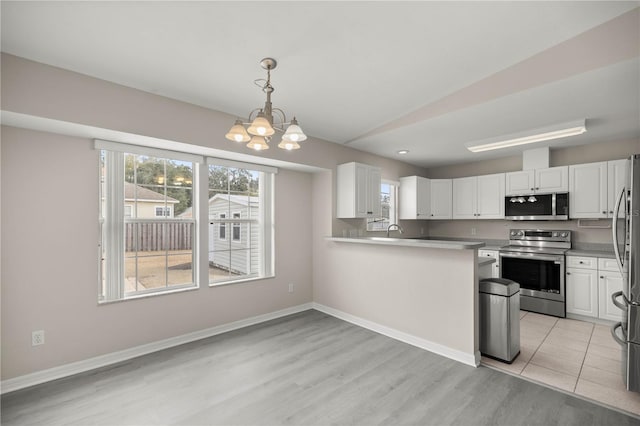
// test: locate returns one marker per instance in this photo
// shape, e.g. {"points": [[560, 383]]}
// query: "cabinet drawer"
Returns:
{"points": [[488, 253], [607, 264], [582, 262]]}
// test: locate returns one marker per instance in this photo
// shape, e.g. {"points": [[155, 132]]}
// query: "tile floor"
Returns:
{"points": [[575, 356]]}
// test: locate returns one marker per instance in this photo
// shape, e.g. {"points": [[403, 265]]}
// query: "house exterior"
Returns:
{"points": [[150, 204], [234, 246]]}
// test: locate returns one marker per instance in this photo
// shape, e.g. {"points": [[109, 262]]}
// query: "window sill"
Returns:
{"points": [[241, 280], [147, 295]]}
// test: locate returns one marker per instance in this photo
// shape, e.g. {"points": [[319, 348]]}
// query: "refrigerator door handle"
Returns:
{"points": [[614, 229], [621, 342], [614, 299]]}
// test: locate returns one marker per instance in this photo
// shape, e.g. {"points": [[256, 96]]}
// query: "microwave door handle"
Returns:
{"points": [[614, 229]]}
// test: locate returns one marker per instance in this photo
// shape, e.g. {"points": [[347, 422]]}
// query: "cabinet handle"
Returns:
{"points": [[605, 212], [568, 273], [610, 211], [431, 214], [532, 189], [601, 277], [537, 189], [581, 262]]}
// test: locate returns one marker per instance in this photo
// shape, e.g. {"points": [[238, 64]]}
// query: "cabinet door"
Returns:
{"points": [[616, 172], [374, 180], [490, 191], [609, 283], [362, 191], [554, 179], [518, 183], [495, 267], [441, 202], [414, 198], [582, 292], [588, 190], [464, 198]]}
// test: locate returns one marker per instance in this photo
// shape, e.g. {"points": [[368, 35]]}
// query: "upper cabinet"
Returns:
{"points": [[414, 196], [358, 191], [441, 201], [422, 198], [479, 197], [553, 179], [594, 188]]}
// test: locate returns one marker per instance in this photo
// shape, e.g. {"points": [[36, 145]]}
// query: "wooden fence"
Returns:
{"points": [[158, 236]]}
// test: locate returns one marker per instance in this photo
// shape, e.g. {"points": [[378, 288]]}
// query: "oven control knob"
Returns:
{"points": [[520, 233], [514, 233], [564, 235], [555, 234]]}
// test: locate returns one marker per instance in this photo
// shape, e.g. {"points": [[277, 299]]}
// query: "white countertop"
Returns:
{"points": [[410, 242]]}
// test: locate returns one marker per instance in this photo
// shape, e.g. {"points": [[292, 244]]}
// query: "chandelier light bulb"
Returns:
{"points": [[237, 133], [261, 126], [258, 143]]}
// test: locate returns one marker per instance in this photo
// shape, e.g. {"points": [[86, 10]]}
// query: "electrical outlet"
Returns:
{"points": [[37, 338], [473, 231], [290, 287]]}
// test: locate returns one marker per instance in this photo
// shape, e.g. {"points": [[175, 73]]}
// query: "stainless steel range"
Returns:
{"points": [[535, 259]]}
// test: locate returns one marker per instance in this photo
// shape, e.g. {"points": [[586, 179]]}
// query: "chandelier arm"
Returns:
{"points": [[283, 116]]}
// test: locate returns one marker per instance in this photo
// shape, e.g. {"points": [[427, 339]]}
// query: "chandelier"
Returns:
{"points": [[261, 124]]}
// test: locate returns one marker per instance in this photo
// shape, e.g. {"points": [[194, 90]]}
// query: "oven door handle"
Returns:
{"points": [[559, 260]]}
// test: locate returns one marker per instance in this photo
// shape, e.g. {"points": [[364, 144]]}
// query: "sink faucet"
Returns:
{"points": [[398, 227]]}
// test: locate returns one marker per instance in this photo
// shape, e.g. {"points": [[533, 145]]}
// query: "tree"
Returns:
{"points": [[223, 180], [173, 178]]}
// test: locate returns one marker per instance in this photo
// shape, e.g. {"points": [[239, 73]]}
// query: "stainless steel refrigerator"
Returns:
{"points": [[626, 243]]}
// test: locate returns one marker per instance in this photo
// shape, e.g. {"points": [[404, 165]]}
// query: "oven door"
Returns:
{"points": [[539, 275]]}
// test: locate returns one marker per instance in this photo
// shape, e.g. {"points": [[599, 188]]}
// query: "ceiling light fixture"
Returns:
{"points": [[261, 122], [544, 134], [403, 151]]}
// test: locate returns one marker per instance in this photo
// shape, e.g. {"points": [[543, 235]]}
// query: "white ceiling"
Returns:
{"points": [[353, 72]]}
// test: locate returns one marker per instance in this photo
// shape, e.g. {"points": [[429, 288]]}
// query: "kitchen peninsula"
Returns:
{"points": [[423, 292]]}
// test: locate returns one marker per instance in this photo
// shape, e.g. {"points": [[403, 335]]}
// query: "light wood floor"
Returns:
{"points": [[307, 368]]}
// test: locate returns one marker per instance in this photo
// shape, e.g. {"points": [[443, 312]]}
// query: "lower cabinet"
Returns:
{"points": [[582, 292], [495, 267], [589, 285]]}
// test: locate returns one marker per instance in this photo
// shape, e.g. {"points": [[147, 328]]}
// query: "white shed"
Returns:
{"points": [[234, 246]]}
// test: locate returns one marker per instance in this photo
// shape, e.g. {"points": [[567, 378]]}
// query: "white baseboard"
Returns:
{"points": [[66, 370], [454, 354]]}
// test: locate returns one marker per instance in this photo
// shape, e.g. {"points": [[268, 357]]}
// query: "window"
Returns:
{"points": [[389, 208], [222, 233], [149, 219], [145, 249], [240, 198], [163, 211], [236, 228]]}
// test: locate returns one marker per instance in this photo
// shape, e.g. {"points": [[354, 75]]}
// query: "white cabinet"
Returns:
{"points": [[440, 200], [479, 197], [594, 187], [495, 267], [553, 179], [582, 292], [415, 194], [588, 190], [358, 191], [616, 173], [590, 283], [610, 282]]}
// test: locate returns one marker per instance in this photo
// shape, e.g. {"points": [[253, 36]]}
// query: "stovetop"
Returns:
{"points": [[538, 241]]}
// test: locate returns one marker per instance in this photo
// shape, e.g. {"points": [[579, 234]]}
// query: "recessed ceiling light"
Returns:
{"points": [[403, 151]]}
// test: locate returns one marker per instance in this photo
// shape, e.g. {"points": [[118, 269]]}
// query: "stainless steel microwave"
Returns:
{"points": [[552, 206]]}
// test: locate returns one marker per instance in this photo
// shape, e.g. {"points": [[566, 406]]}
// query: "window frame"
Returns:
{"points": [[198, 213], [236, 225], [393, 213]]}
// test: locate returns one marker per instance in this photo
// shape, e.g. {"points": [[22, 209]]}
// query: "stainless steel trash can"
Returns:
{"points": [[500, 318]]}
